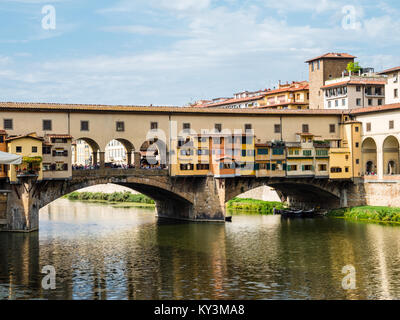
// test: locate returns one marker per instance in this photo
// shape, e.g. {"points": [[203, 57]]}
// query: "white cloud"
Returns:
{"points": [[219, 51]]}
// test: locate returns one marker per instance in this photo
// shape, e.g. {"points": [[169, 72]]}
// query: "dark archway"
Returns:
{"points": [[391, 156], [369, 157]]}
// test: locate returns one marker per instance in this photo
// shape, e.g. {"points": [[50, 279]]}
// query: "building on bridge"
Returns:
{"points": [[30, 148], [226, 155], [57, 159]]}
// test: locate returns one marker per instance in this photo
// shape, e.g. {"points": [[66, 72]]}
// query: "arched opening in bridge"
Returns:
{"points": [[85, 154], [119, 153], [369, 157], [391, 156], [153, 154], [263, 193]]}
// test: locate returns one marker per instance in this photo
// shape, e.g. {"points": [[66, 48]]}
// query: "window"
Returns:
{"points": [[120, 126], [85, 125], [357, 145], [332, 128], [153, 125], [34, 149], [202, 166], [396, 93], [379, 102], [188, 166], [46, 150], [347, 169], [318, 64], [356, 129], [277, 128], [336, 103], [47, 125], [277, 152], [343, 102], [358, 102], [186, 126], [322, 167], [305, 128], [218, 127], [358, 88], [336, 170], [321, 152], [262, 151], [307, 152], [307, 167], [370, 102], [18, 149], [391, 124], [247, 127], [329, 104], [292, 167], [8, 124], [368, 127], [357, 161]]}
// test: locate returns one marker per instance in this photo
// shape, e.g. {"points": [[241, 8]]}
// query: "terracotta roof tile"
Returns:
{"points": [[355, 82], [389, 70], [333, 55], [387, 107], [16, 106]]}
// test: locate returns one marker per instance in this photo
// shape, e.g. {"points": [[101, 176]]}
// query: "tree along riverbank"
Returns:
{"points": [[117, 199], [368, 213], [253, 206]]}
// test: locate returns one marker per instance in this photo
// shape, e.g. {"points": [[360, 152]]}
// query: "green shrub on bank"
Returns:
{"points": [[384, 214], [252, 205], [110, 197]]}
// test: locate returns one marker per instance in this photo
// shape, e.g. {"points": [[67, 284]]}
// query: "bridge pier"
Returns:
{"points": [[22, 211]]}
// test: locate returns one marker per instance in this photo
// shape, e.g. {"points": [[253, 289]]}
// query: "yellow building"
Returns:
{"points": [[293, 95], [270, 158], [57, 162], [218, 154], [345, 161], [30, 148]]}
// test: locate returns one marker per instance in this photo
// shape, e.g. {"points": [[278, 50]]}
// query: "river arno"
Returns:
{"points": [[100, 252]]}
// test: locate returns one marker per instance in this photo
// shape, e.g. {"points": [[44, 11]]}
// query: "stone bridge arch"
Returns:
{"points": [[156, 187], [299, 192]]}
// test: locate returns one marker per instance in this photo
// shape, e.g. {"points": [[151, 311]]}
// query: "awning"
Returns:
{"points": [[9, 158]]}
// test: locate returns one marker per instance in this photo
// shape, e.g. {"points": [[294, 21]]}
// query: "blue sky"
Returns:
{"points": [[172, 52]]}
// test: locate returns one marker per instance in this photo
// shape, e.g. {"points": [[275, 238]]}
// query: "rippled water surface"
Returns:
{"points": [[101, 252]]}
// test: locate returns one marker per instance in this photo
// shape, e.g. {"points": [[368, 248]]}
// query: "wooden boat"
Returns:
{"points": [[228, 219]]}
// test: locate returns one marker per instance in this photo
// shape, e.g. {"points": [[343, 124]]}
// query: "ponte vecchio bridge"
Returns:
{"points": [[182, 193]]}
